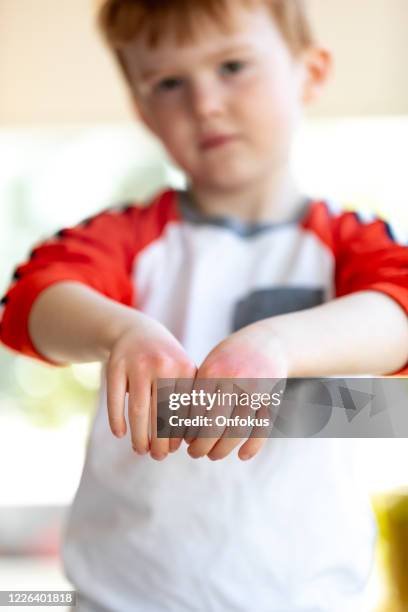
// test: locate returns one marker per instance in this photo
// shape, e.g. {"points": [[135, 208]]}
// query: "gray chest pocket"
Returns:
{"points": [[264, 303]]}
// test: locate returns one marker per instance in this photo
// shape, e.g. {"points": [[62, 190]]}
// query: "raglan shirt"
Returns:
{"points": [[289, 530]]}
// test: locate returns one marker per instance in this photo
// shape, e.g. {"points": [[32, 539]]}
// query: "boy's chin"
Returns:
{"points": [[226, 181]]}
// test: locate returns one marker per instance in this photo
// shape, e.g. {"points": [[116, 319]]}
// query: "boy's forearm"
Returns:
{"points": [[72, 323], [362, 333]]}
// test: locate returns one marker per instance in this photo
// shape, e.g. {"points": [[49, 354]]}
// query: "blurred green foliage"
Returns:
{"points": [[47, 396]]}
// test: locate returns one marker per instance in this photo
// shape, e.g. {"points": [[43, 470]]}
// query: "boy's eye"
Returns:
{"points": [[232, 66], [173, 83], [168, 84]]}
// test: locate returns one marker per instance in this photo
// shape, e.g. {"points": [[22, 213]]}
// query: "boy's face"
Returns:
{"points": [[225, 107]]}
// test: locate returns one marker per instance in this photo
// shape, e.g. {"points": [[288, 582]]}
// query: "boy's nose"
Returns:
{"points": [[207, 99]]}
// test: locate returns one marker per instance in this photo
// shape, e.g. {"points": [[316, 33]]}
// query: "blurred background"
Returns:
{"points": [[70, 146]]}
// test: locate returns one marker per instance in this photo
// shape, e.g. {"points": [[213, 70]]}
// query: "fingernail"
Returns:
{"points": [[245, 457], [158, 456], [190, 452], [140, 451]]}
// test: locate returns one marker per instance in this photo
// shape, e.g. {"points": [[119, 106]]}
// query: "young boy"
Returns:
{"points": [[238, 276]]}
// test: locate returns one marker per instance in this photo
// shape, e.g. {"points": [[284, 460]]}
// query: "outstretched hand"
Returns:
{"points": [[147, 351], [252, 352], [143, 352]]}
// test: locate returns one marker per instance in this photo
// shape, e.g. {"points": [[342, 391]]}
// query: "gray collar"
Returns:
{"points": [[191, 214]]}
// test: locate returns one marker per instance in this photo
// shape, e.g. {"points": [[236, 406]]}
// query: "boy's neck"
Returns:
{"points": [[276, 199]]}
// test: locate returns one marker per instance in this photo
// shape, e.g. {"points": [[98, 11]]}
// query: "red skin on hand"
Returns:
{"points": [[252, 352]]}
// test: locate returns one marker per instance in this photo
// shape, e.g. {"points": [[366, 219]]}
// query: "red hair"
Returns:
{"points": [[121, 21]]}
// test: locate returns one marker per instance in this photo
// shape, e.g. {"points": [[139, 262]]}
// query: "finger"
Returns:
{"points": [[159, 447], [209, 435], [259, 435], [165, 391], [116, 383], [234, 433], [174, 444], [202, 387], [250, 448], [183, 386], [223, 447], [266, 414], [139, 413]]}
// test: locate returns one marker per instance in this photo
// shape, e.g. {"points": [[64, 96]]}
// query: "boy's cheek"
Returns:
{"points": [[281, 112], [274, 97], [172, 128]]}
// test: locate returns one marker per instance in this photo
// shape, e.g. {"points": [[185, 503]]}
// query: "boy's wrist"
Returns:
{"points": [[115, 326], [277, 327]]}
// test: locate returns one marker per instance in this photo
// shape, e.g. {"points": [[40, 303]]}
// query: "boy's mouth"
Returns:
{"points": [[215, 140]]}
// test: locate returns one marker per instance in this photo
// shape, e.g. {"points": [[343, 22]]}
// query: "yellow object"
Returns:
{"points": [[392, 516]]}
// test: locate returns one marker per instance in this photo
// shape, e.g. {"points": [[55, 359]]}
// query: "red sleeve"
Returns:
{"points": [[99, 252], [369, 256]]}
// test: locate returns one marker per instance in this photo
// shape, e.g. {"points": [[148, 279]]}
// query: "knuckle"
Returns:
{"points": [[210, 371], [115, 363], [115, 401], [164, 363], [188, 370], [137, 411], [144, 362], [114, 392], [157, 360]]}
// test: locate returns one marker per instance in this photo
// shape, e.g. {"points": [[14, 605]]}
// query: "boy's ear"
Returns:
{"points": [[318, 65]]}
